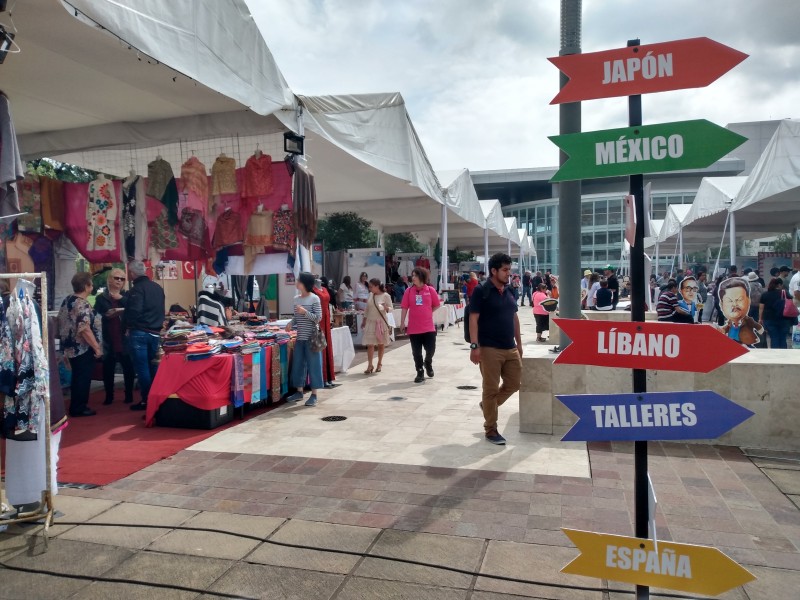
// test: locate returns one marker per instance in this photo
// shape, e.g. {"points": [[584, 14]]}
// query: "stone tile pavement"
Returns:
{"points": [[467, 509]]}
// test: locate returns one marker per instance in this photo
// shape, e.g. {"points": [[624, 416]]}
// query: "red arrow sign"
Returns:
{"points": [[677, 65], [653, 346]]}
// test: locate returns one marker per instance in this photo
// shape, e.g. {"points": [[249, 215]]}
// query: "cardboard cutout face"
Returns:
{"points": [[734, 301]]}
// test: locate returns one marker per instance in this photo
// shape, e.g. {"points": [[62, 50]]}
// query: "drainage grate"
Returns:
{"points": [[396, 398], [334, 418], [467, 387]]}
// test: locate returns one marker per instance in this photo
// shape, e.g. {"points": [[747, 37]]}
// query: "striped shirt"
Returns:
{"points": [[210, 311], [667, 303], [306, 325]]}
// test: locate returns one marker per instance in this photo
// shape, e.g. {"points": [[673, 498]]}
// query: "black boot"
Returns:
{"points": [[429, 368], [420, 377]]}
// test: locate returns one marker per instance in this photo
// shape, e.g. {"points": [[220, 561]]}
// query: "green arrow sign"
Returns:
{"points": [[644, 149]]}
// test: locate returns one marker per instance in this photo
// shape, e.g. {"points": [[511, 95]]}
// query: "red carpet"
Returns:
{"points": [[115, 443]]}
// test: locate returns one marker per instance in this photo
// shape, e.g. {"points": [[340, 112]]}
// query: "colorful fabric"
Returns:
{"points": [[229, 230], [129, 212], [41, 252], [223, 176], [194, 182], [192, 226], [257, 176], [74, 316], [162, 235], [31, 204], [275, 374], [159, 172], [237, 381], [285, 357], [76, 200], [283, 236], [8, 374], [101, 215], [52, 194], [21, 412]]}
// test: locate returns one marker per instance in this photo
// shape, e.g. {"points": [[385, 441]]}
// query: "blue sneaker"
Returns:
{"points": [[294, 397], [312, 400], [495, 438]]}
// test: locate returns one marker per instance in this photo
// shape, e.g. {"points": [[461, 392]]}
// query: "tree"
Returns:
{"points": [[47, 167], [402, 242], [458, 256], [782, 243], [345, 230]]}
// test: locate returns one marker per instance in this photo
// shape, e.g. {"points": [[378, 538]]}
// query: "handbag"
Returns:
{"points": [[318, 341], [789, 309]]}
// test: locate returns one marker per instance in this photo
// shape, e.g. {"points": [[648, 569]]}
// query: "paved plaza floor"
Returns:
{"points": [[406, 476]]}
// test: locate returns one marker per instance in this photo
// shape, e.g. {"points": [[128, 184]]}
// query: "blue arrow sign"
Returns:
{"points": [[703, 415]]}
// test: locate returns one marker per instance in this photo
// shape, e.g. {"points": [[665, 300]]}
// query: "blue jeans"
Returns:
{"points": [[306, 364], [777, 329], [143, 349]]}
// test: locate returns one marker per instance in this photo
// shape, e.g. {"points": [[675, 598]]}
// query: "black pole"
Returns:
{"points": [[638, 308], [569, 192]]}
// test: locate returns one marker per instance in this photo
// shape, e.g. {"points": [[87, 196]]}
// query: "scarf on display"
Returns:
{"points": [[304, 195]]}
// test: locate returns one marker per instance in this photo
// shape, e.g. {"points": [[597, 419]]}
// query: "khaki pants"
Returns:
{"points": [[498, 364]]}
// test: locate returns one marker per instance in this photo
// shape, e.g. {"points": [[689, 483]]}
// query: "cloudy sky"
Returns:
{"points": [[476, 80]]}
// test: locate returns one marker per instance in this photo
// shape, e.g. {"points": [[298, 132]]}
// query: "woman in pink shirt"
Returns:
{"points": [[419, 302], [540, 313]]}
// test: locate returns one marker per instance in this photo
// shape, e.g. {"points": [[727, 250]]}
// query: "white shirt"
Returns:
{"points": [[585, 283], [590, 299], [794, 286]]}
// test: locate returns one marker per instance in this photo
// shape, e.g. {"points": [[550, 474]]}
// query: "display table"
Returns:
{"points": [[204, 384], [343, 349]]}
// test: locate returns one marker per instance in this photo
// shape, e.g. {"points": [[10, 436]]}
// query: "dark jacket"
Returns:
{"points": [[145, 306], [102, 305]]}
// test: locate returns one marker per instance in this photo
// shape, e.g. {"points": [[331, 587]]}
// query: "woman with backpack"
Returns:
{"points": [[419, 303]]}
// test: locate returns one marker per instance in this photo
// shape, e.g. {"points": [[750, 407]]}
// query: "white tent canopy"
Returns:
{"points": [[771, 193]]}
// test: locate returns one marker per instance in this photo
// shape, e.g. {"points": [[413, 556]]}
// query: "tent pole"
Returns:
{"points": [[486, 249], [443, 266], [509, 246], [732, 239], [680, 249], [794, 239], [658, 275]]}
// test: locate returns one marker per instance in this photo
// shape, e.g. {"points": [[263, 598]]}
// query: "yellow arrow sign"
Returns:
{"points": [[682, 567]]}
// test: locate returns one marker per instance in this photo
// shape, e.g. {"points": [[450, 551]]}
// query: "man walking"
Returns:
{"points": [[526, 288], [496, 342], [144, 318]]}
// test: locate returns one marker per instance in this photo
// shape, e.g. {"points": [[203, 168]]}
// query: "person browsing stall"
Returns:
{"points": [[419, 302], [144, 318], [496, 342], [110, 305], [306, 363]]}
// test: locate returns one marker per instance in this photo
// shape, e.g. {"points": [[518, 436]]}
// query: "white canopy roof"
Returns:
{"points": [[652, 236], [513, 231], [772, 191], [493, 213]]}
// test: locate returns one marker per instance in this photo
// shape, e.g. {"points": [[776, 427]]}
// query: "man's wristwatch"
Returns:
{"points": [[473, 346]]}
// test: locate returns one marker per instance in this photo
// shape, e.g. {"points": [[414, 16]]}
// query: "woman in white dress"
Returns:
{"points": [[362, 292]]}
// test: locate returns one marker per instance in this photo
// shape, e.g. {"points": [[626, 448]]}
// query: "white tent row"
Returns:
{"points": [[767, 202], [131, 90]]}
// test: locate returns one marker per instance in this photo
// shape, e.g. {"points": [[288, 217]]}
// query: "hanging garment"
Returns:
{"points": [[52, 192], [283, 236], [194, 184], [163, 235], [21, 411], [223, 176], [41, 252], [31, 205], [228, 230], [259, 236], [305, 204], [129, 216], [11, 169], [101, 215], [257, 176], [193, 226], [8, 371], [161, 185]]}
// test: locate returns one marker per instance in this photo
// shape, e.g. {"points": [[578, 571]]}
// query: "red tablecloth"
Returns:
{"points": [[204, 384]]}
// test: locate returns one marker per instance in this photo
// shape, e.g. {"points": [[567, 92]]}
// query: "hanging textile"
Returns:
{"points": [[41, 252], [194, 185], [163, 236], [21, 411], [52, 194], [257, 176], [223, 176], [11, 169], [192, 226], [305, 204], [31, 205], [134, 217], [283, 236], [161, 186], [259, 236], [228, 230], [101, 215], [76, 200]]}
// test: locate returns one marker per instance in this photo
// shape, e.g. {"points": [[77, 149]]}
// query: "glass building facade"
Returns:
{"points": [[602, 226]]}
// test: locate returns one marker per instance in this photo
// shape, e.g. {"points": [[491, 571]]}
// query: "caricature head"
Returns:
{"points": [[734, 298], [689, 289]]}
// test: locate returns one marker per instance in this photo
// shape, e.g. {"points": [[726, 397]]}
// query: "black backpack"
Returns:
{"points": [[484, 289]]}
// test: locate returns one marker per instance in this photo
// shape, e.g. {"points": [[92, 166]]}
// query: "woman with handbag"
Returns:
{"points": [[377, 331], [310, 342], [771, 310]]}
